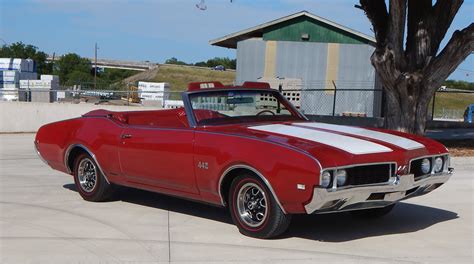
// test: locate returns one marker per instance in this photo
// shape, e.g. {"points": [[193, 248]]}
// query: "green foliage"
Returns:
{"points": [[114, 75], [174, 60], [111, 78], [224, 61], [462, 85], [71, 69], [23, 51], [76, 77], [200, 64]]}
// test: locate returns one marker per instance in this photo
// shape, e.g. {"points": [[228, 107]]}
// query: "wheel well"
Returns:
{"points": [[227, 181], [73, 154]]}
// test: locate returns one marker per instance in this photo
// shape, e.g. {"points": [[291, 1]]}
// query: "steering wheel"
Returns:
{"points": [[265, 111]]}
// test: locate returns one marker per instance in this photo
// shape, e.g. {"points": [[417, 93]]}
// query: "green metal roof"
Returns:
{"points": [[291, 28]]}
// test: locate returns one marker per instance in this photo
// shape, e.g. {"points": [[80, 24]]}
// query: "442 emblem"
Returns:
{"points": [[203, 165]]}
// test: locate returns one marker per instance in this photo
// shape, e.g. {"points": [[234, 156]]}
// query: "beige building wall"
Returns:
{"points": [[270, 59], [332, 66]]}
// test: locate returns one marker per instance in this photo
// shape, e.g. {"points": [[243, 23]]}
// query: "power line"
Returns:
{"points": [[466, 70]]}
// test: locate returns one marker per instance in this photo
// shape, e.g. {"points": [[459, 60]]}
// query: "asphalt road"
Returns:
{"points": [[44, 220]]}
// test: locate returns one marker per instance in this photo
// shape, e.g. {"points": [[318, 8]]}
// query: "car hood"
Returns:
{"points": [[337, 145]]}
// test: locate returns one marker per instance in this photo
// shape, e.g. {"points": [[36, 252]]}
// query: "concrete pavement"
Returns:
{"points": [[44, 220]]}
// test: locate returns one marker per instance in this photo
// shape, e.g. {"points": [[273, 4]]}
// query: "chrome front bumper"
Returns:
{"points": [[373, 196]]}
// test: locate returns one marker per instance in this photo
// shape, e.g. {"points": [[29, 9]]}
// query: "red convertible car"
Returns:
{"points": [[246, 148]]}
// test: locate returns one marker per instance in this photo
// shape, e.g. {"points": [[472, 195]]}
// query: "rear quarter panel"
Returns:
{"points": [[99, 135]]}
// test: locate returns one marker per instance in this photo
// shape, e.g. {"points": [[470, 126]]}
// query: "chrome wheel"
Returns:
{"points": [[252, 204], [87, 175]]}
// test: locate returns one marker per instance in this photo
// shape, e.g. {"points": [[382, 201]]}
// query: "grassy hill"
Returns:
{"points": [[179, 76], [452, 105]]}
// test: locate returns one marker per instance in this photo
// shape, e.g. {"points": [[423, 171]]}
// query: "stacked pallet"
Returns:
{"points": [[43, 90], [12, 71]]}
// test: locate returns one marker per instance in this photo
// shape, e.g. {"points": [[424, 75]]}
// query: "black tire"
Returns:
{"points": [[373, 213], [101, 190], [273, 223]]}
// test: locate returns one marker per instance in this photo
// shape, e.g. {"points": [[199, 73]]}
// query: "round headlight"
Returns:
{"points": [[341, 177], [425, 166], [325, 179], [438, 164]]}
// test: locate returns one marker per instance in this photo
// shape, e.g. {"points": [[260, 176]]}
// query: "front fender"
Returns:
{"points": [[283, 168]]}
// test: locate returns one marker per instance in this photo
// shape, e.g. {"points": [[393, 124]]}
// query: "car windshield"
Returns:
{"points": [[241, 106]]}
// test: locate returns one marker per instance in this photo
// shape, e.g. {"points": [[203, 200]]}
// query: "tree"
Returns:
{"points": [[224, 61], [462, 85], [413, 70], [23, 51], [174, 60], [71, 69]]}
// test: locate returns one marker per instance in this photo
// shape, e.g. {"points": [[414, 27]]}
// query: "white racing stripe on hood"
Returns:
{"points": [[402, 142], [346, 143]]}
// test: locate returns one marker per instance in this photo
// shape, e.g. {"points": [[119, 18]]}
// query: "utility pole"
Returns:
{"points": [[95, 67]]}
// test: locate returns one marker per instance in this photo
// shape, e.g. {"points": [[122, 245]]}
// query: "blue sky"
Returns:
{"points": [[160, 29]]}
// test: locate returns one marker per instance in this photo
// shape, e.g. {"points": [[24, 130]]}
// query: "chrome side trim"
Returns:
{"points": [[243, 166], [39, 154], [66, 159]]}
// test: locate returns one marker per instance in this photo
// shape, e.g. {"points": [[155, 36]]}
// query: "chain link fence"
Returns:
{"points": [[312, 98], [341, 98], [161, 99], [450, 104]]}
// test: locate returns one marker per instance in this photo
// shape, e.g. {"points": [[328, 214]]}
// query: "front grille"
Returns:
{"points": [[370, 174]]}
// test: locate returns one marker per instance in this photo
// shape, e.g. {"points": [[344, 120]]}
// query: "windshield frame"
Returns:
{"points": [[190, 110]]}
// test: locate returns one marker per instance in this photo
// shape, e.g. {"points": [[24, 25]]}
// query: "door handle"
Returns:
{"points": [[124, 136]]}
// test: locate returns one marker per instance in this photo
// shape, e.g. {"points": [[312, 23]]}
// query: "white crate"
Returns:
{"points": [[173, 104], [291, 88], [23, 65], [9, 94], [152, 91], [38, 84], [7, 85], [9, 76], [153, 86], [47, 77]]}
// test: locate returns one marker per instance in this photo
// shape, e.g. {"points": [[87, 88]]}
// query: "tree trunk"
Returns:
{"points": [[405, 115], [411, 76]]}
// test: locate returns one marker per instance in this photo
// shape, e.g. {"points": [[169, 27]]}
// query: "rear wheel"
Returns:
{"points": [[373, 213], [254, 210], [89, 181]]}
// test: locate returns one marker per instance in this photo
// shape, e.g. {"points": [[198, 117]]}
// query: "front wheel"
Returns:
{"points": [[89, 181], [254, 210]]}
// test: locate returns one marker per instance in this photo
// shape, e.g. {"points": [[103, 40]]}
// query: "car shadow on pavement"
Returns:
{"points": [[342, 227], [337, 227], [165, 202]]}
